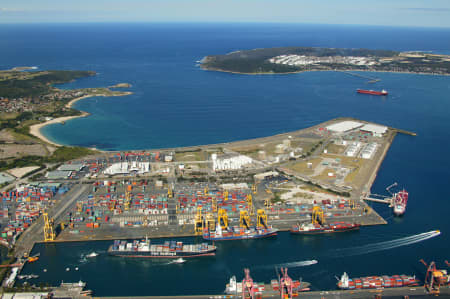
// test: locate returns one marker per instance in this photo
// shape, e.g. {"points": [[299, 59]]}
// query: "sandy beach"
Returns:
{"points": [[35, 130]]}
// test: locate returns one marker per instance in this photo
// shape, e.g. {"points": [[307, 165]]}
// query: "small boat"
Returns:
{"points": [[373, 92], [179, 261], [33, 258], [92, 254]]}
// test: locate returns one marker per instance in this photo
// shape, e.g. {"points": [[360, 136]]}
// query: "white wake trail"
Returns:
{"points": [[374, 247]]}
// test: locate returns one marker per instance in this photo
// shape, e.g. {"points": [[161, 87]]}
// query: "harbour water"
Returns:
{"points": [[175, 103]]}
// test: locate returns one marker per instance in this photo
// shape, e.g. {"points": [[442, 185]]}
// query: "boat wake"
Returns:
{"points": [[291, 264], [374, 247]]}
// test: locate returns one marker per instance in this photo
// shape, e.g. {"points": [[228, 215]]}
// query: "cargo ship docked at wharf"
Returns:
{"points": [[400, 201], [245, 231], [169, 249], [376, 282], [283, 286], [373, 92], [318, 225]]}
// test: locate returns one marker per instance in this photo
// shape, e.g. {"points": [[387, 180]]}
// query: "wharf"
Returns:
{"points": [[415, 292]]}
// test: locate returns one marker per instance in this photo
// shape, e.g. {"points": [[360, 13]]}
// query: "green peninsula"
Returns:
{"points": [[301, 59]]}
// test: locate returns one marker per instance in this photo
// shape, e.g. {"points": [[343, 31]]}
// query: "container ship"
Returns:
{"points": [[400, 201], [376, 282], [316, 228], [238, 233], [373, 92], [169, 249]]}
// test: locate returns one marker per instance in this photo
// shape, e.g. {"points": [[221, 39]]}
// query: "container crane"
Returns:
{"points": [[127, 200], [317, 216], [261, 219], [198, 221], [286, 285], [214, 205], [254, 189], [206, 191], [210, 222], [434, 278], [248, 287], [49, 234], [169, 192], [222, 218], [250, 204], [244, 219], [225, 195]]}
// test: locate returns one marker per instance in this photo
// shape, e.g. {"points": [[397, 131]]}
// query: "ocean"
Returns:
{"points": [[175, 103]]}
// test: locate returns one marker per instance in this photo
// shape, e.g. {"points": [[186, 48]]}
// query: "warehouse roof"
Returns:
{"points": [[58, 174], [344, 126], [6, 178], [71, 167], [374, 128]]}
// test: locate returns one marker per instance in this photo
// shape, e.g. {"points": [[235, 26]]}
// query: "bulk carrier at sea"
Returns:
{"points": [[169, 249], [373, 92]]}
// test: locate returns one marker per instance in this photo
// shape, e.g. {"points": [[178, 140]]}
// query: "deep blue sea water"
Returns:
{"points": [[176, 104]]}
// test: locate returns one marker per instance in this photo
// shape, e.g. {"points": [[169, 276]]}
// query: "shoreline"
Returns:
{"points": [[35, 130], [305, 71]]}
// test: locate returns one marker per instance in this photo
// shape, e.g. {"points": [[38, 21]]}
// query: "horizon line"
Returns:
{"points": [[218, 22]]}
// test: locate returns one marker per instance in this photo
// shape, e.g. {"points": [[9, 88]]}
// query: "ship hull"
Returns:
{"points": [[372, 92], [147, 255], [243, 237], [324, 231], [377, 282]]}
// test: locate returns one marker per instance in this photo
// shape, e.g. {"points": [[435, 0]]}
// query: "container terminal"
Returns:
{"points": [[270, 183]]}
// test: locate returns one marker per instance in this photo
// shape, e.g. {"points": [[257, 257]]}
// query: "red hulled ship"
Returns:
{"points": [[373, 92]]}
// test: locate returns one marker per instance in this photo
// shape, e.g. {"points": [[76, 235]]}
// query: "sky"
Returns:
{"points": [[421, 13]]}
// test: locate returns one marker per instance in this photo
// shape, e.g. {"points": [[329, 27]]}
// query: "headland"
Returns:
{"points": [[302, 59]]}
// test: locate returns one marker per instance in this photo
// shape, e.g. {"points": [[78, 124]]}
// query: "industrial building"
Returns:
{"points": [[230, 161], [6, 178], [128, 167], [58, 174], [375, 130], [71, 167], [344, 126]]}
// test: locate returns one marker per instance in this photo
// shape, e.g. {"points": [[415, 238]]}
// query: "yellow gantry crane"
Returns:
{"points": [[317, 215], [222, 218], [210, 222], [250, 204], [199, 221], [225, 195], [49, 234], [214, 205], [244, 219], [261, 219], [254, 189], [127, 200], [206, 191], [169, 192]]}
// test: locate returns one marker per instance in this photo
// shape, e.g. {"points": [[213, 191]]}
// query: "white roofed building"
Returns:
{"points": [[375, 130], [344, 126]]}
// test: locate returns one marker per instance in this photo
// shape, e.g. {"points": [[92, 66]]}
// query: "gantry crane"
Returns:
{"points": [[210, 222], [225, 195], [434, 278], [49, 234], [261, 219], [250, 204], [169, 192], [317, 216], [222, 218], [214, 205], [244, 219], [248, 287], [127, 202], [254, 189], [198, 221], [206, 191], [286, 285]]}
